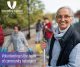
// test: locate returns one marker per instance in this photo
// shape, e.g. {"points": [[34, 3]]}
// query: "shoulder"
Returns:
{"points": [[76, 37], [13, 33], [36, 23], [50, 22], [21, 33], [40, 23]]}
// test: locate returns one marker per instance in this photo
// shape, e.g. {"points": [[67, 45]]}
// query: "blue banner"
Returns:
{"points": [[17, 58]]}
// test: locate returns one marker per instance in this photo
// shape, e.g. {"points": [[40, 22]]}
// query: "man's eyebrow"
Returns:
{"points": [[64, 14]]}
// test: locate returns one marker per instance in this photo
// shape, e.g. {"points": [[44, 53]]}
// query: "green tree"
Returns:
{"points": [[49, 15], [53, 16], [7, 20]]}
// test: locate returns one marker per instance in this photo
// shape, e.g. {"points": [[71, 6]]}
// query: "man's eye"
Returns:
{"points": [[59, 16], [66, 16]]}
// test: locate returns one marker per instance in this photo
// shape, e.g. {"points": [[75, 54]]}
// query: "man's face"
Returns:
{"points": [[46, 21], [64, 18], [39, 21]]}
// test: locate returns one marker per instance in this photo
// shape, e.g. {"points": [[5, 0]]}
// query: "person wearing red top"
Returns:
{"points": [[1, 38], [48, 30]]}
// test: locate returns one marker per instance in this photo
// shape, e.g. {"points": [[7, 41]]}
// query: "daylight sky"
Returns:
{"points": [[51, 6]]}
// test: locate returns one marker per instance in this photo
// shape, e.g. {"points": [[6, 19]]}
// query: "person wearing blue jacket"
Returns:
{"points": [[38, 33]]}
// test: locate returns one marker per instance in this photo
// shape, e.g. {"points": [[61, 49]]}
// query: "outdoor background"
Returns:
{"points": [[37, 11]]}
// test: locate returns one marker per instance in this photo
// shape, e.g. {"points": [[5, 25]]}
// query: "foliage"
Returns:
{"points": [[7, 20], [53, 16], [48, 15]]}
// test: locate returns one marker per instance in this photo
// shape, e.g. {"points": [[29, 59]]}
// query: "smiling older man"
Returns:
{"points": [[64, 49]]}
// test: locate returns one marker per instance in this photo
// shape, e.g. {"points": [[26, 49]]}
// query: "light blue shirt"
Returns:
{"points": [[18, 41]]}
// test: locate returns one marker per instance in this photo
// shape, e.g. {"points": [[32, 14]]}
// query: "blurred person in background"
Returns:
{"points": [[38, 31], [48, 30], [43, 28], [18, 40], [1, 40]]}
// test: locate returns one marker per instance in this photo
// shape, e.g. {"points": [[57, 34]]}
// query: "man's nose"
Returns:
{"points": [[62, 18]]}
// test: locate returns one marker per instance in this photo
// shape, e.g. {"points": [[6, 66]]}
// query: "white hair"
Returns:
{"points": [[71, 12]]}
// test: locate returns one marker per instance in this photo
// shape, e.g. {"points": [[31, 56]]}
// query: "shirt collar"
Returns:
{"points": [[62, 31]]}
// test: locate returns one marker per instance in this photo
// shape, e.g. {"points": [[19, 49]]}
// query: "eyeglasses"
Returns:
{"points": [[66, 17]]}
